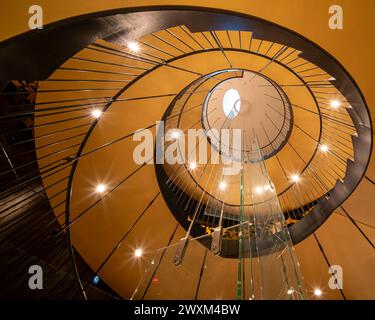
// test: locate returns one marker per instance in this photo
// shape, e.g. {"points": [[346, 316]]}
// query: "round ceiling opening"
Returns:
{"points": [[254, 104], [231, 103]]}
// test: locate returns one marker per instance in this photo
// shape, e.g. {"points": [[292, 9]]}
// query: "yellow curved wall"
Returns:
{"points": [[353, 46]]}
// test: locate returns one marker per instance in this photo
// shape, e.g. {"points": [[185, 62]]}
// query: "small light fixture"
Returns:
{"points": [[295, 178], [192, 165], [138, 253], [258, 190], [175, 134], [318, 292], [290, 291], [100, 188], [96, 113], [324, 148], [222, 185], [335, 104], [133, 46]]}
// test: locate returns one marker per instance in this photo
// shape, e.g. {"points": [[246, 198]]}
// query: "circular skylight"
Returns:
{"points": [[265, 112], [231, 103]]}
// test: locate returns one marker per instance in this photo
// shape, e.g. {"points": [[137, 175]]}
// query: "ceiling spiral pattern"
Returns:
{"points": [[309, 89], [286, 95]]}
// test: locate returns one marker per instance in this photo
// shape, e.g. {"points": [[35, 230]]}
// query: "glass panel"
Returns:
{"points": [[246, 252], [204, 275], [201, 275], [278, 275]]}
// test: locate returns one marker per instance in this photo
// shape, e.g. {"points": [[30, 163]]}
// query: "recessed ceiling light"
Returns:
{"points": [[100, 188], [295, 177], [96, 113], [318, 292], [222, 185], [138, 253], [258, 190], [335, 104], [175, 134], [133, 46], [323, 148], [193, 165]]}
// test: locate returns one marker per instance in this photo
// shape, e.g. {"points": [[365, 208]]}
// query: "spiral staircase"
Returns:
{"points": [[91, 99]]}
